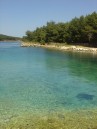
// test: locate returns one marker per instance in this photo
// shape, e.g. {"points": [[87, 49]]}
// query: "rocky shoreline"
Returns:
{"points": [[61, 47]]}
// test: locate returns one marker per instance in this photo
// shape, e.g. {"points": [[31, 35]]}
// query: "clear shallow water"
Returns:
{"points": [[37, 79]]}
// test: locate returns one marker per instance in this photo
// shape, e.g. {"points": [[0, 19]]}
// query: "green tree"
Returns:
{"points": [[82, 30]]}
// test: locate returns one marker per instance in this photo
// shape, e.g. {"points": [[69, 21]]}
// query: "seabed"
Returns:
{"points": [[83, 119]]}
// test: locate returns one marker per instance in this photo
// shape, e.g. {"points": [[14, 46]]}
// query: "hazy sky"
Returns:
{"points": [[18, 16]]}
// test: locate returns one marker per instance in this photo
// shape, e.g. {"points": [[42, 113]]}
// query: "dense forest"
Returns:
{"points": [[5, 37], [82, 30]]}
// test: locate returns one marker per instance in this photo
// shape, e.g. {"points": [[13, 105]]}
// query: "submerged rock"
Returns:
{"points": [[84, 96]]}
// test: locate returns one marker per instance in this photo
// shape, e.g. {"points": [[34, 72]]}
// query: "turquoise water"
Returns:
{"points": [[38, 79]]}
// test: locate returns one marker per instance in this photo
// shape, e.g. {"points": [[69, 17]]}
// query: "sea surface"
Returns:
{"points": [[38, 80]]}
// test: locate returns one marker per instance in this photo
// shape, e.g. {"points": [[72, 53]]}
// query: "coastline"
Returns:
{"points": [[10, 41], [63, 47]]}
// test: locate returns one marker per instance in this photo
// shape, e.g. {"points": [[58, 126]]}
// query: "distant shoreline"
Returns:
{"points": [[63, 47], [10, 41]]}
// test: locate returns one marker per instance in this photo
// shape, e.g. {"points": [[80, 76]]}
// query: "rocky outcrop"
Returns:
{"points": [[60, 47]]}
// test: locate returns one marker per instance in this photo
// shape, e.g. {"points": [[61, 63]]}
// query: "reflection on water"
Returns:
{"points": [[79, 64], [85, 66]]}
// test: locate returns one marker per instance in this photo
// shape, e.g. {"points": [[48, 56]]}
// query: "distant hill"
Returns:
{"points": [[6, 37]]}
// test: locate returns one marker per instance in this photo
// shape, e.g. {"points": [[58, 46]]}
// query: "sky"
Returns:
{"points": [[18, 16]]}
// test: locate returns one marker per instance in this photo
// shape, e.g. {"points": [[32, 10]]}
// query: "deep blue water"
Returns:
{"points": [[35, 79]]}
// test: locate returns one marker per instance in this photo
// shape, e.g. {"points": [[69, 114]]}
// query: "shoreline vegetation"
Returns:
{"points": [[60, 46], [79, 31], [7, 38]]}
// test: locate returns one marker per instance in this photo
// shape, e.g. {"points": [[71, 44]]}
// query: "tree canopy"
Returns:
{"points": [[82, 30]]}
